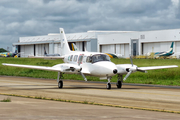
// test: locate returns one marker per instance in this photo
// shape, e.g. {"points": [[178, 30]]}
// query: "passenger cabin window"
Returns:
{"points": [[71, 57], [100, 57], [75, 58], [80, 59]]}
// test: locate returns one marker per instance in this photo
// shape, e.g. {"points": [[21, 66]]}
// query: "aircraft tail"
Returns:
{"points": [[16, 52], [64, 43], [171, 48], [45, 53], [75, 47]]}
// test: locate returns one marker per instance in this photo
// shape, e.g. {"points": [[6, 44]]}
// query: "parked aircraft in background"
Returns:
{"points": [[91, 64], [163, 54], [9, 54], [166, 53], [111, 55]]}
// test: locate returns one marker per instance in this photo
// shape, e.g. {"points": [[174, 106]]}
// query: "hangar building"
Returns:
{"points": [[119, 42]]}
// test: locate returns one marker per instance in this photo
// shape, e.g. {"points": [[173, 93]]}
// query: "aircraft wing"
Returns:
{"points": [[48, 57], [33, 67], [59, 67], [156, 67]]}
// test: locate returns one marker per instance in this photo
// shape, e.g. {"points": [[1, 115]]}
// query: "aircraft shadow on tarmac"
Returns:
{"points": [[69, 87]]}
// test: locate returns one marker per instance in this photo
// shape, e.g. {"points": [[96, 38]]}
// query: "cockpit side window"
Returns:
{"points": [[84, 59], [89, 59]]}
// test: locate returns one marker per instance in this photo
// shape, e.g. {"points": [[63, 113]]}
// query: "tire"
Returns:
{"points": [[119, 84], [109, 86], [60, 84]]}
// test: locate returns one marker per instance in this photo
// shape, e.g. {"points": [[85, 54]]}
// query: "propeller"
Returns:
{"points": [[134, 68], [79, 63]]}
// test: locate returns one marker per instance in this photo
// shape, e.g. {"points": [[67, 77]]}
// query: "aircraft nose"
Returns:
{"points": [[115, 71]]}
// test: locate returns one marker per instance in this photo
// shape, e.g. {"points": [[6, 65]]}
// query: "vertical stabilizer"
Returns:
{"points": [[64, 43], [171, 48], [75, 47], [45, 53]]}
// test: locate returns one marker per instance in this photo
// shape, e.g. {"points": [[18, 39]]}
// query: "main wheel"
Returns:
{"points": [[108, 86], [119, 84], [60, 84]]}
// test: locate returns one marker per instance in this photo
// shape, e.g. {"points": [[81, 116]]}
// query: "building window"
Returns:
{"points": [[142, 36]]}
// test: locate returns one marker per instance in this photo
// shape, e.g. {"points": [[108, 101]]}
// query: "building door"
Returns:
{"points": [[134, 47]]}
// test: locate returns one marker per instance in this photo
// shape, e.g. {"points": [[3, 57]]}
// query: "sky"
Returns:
{"points": [[22, 18]]}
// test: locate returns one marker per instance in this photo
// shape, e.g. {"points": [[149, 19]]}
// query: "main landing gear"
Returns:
{"points": [[59, 80], [118, 84]]}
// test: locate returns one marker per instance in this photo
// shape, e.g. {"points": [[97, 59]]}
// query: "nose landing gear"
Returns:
{"points": [[118, 84], [109, 83]]}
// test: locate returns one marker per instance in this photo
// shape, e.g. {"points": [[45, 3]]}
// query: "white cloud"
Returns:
{"points": [[40, 17]]}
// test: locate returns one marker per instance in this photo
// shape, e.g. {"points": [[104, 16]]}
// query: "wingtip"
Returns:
{"points": [[3, 63]]}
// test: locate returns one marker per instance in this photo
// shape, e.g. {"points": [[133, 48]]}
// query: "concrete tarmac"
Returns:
{"points": [[149, 97], [34, 109]]}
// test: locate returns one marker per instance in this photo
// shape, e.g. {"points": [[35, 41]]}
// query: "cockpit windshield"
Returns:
{"points": [[100, 57]]}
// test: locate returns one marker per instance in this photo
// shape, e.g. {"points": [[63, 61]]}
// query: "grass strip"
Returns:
{"points": [[159, 77], [93, 103], [6, 100]]}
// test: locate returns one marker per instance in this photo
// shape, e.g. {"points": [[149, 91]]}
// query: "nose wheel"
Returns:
{"points": [[108, 86], [109, 83]]}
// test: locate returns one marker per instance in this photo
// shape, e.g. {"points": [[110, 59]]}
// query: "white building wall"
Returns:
{"points": [[27, 50], [57, 48], [119, 43], [126, 50], [122, 49], [154, 41], [79, 46], [107, 49]]}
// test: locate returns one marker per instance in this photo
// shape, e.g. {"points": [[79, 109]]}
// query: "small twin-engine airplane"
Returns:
{"points": [[91, 64]]}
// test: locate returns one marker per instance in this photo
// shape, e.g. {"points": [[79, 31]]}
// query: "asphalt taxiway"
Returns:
{"points": [[130, 96]]}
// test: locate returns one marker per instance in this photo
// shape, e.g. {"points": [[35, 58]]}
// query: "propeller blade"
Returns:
{"points": [[127, 75], [131, 61], [83, 76]]}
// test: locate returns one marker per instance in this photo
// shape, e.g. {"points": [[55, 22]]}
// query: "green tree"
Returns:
{"points": [[3, 50]]}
